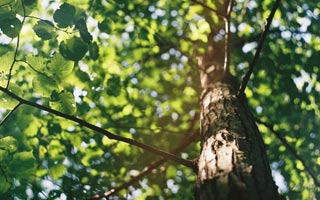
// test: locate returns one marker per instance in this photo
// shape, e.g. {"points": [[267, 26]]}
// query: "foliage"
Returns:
{"points": [[130, 67]]}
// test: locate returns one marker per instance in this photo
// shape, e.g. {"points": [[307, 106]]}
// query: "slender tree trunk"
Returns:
{"points": [[233, 164]]}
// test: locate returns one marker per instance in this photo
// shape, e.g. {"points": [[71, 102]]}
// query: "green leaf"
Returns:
{"points": [[107, 25], [11, 27], [59, 66], [9, 143], [44, 85], [44, 29], [38, 63], [4, 2], [7, 102], [55, 148], [73, 49], [94, 51], [84, 33], [64, 104], [29, 2], [22, 164], [6, 62], [64, 15], [114, 86], [57, 171], [4, 184]]}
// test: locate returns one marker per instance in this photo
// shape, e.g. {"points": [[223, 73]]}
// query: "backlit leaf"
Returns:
{"points": [[8, 143], [59, 66], [57, 171], [64, 104], [44, 85]]}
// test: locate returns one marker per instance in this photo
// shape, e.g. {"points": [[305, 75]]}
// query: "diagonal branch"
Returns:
{"points": [[219, 14], [290, 149], [107, 133], [9, 114], [187, 141], [259, 48]]}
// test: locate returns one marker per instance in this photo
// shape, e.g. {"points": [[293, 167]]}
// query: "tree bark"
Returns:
{"points": [[233, 162]]}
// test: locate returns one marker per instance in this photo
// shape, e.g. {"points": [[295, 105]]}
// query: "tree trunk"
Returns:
{"points": [[233, 162]]}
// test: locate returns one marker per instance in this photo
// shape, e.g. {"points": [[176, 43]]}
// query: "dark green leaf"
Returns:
{"points": [[11, 27], [64, 15], [73, 49], [22, 163], [44, 29], [107, 25], [94, 51], [29, 2], [114, 86], [84, 33]]}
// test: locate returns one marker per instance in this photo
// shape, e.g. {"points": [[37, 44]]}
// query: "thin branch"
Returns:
{"points": [[17, 47], [290, 149], [13, 62], [259, 48], [107, 133], [187, 141], [9, 114], [209, 8], [227, 36]]}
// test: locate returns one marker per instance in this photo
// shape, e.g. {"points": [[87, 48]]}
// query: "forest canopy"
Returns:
{"points": [[95, 93]]}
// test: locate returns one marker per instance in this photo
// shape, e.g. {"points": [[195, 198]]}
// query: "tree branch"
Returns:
{"points": [[290, 149], [9, 114], [227, 36], [259, 48], [188, 140], [107, 133], [209, 8], [17, 47]]}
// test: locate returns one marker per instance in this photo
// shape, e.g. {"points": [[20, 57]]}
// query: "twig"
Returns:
{"points": [[290, 149], [227, 36], [151, 167], [209, 8], [9, 114], [107, 133], [259, 48], [17, 47]]}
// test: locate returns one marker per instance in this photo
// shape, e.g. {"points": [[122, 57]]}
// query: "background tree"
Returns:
{"points": [[87, 86]]}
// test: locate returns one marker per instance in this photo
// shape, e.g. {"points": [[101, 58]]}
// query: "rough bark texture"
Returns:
{"points": [[233, 162]]}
